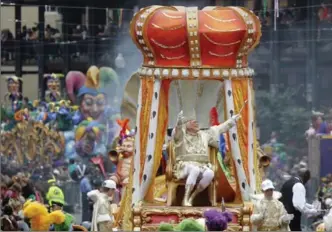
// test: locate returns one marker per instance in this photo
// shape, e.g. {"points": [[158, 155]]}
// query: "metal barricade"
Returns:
{"points": [[71, 190]]}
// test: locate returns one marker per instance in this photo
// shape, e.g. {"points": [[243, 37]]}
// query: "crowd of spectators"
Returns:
{"points": [[292, 27], [79, 39], [287, 161], [21, 183], [16, 189]]}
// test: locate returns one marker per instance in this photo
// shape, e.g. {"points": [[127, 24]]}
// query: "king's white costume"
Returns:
{"points": [[192, 155]]}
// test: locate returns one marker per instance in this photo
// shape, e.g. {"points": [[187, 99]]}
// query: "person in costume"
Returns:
{"points": [[40, 218], [192, 158], [13, 86], [269, 213], [54, 193], [122, 155], [69, 219], [102, 218], [52, 94], [294, 198]]}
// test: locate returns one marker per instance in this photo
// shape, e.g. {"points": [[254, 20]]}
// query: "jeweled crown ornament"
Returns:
{"points": [[212, 42]]}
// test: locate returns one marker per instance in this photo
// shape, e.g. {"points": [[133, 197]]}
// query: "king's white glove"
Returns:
{"points": [[180, 118], [236, 117]]}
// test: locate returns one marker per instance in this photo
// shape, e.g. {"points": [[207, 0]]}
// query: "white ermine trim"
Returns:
{"points": [[137, 155], [150, 149], [251, 158], [235, 147]]}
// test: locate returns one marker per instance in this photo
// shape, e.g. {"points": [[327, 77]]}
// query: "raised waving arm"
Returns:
{"points": [[227, 125], [178, 130]]}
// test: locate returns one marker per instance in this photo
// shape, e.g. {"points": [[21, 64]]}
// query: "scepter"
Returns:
{"points": [[244, 104]]}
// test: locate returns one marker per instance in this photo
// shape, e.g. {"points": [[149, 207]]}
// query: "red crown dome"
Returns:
{"points": [[215, 37]]}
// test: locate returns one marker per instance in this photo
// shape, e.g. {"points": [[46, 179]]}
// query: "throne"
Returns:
{"points": [[174, 196]]}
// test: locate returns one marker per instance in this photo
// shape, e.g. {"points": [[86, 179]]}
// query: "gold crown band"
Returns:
{"points": [[198, 73], [248, 42], [193, 37]]}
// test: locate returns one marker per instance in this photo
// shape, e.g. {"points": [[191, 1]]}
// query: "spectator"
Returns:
{"points": [[34, 34], [27, 188], [100, 30], [85, 187], [319, 124], [323, 12], [102, 218], [24, 33], [8, 222]]}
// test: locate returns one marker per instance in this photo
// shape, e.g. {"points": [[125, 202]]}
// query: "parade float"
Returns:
{"points": [[194, 61], [53, 130]]}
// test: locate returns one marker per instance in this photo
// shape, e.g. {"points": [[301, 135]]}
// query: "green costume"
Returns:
{"points": [[185, 225], [66, 225]]}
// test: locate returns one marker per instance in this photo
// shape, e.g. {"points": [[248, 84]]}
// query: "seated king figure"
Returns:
{"points": [[191, 147]]}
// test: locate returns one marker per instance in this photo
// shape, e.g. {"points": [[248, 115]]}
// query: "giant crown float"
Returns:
{"points": [[180, 44], [191, 43]]}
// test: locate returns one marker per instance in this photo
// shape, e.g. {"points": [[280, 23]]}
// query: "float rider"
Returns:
{"points": [[54, 193]]}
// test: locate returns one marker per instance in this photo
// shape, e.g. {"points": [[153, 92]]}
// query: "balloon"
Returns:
{"points": [[70, 151], [69, 135]]}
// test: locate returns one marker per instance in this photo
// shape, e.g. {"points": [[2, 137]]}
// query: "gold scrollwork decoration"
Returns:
{"points": [[168, 28], [172, 16], [168, 46], [220, 44], [145, 223], [221, 30], [32, 141], [220, 55], [171, 58]]}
